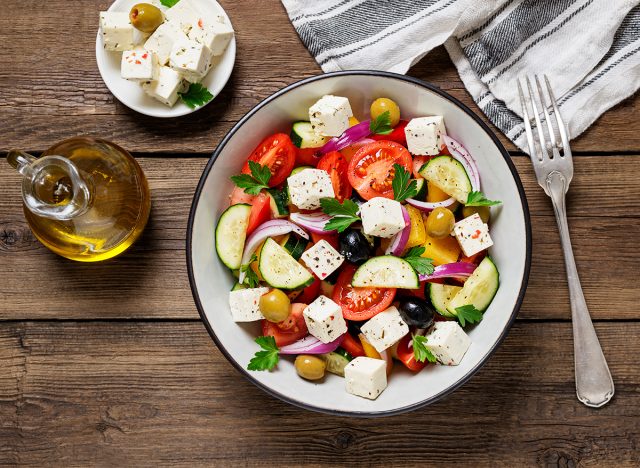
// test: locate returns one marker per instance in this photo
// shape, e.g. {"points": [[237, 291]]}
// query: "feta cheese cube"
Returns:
{"points": [[330, 115], [245, 304], [382, 217], [215, 35], [424, 135], [366, 377], [324, 319], [139, 65], [162, 40], [322, 259], [307, 187], [185, 15], [385, 329], [448, 342], [191, 59], [472, 235], [117, 30], [166, 88]]}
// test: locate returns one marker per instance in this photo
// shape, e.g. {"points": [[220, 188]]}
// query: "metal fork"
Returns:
{"points": [[553, 165]]}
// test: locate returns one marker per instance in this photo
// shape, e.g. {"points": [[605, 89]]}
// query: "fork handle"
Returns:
{"points": [[594, 385]]}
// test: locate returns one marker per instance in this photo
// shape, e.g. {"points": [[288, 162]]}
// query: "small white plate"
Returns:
{"points": [[132, 95]]}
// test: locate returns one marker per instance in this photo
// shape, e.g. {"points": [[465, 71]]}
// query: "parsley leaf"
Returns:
{"points": [[250, 278], [420, 351], [197, 95], [478, 199], [403, 187], [422, 265], [468, 314], [252, 184], [343, 215], [266, 359], [381, 125]]}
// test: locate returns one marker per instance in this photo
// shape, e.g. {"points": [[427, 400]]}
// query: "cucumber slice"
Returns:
{"points": [[299, 169], [303, 136], [421, 185], [231, 233], [479, 288], [449, 176], [441, 295], [279, 200], [386, 272], [294, 244], [280, 270], [335, 363], [238, 287]]}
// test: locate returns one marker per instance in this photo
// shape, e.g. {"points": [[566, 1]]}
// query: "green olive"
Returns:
{"points": [[145, 17], [275, 306], [310, 367], [483, 211], [440, 223], [381, 105]]}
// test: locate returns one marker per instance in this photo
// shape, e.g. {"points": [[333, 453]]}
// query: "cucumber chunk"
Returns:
{"points": [[231, 233], [335, 363], [386, 272], [479, 288], [280, 270], [294, 244], [279, 201], [421, 185], [441, 295], [449, 176], [303, 136]]}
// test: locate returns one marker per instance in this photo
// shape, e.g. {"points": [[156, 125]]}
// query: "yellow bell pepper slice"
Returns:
{"points": [[417, 235]]}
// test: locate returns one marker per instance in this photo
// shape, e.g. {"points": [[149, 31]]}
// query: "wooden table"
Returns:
{"points": [[109, 363]]}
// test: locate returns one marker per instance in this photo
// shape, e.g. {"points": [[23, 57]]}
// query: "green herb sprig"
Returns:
{"points": [[266, 359], [342, 214], [250, 276], [403, 186], [468, 314], [381, 125], [420, 351], [197, 95], [422, 265], [254, 182], [478, 199]]}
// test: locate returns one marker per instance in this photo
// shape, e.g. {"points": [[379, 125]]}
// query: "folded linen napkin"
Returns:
{"points": [[589, 49]]}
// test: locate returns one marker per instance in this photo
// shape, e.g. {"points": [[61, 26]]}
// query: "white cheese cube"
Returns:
{"points": [[472, 235], [448, 342], [215, 35], [424, 135], [366, 377], [162, 40], [330, 115], [382, 217], [166, 88], [322, 259], [385, 329], [245, 304], [139, 37], [191, 59], [139, 65], [185, 14], [307, 187], [117, 30], [324, 319]]}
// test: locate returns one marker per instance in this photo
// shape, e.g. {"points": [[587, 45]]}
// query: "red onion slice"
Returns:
{"points": [[313, 222], [460, 154], [350, 136], [430, 206], [311, 345], [399, 241], [450, 270]]}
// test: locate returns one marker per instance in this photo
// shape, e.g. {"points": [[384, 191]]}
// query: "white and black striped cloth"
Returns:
{"points": [[590, 49]]}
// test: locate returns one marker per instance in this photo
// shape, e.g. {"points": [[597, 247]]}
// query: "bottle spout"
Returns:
{"points": [[20, 161]]}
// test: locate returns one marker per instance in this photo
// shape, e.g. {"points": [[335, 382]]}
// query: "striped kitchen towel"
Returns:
{"points": [[590, 49]]}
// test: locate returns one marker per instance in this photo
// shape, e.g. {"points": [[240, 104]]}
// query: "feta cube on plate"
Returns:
{"points": [[307, 187], [366, 377], [385, 329], [166, 88], [139, 65], [245, 304], [117, 30], [382, 217], [162, 40], [322, 259], [472, 235], [324, 319], [190, 58], [185, 14], [448, 342], [214, 34], [424, 135], [330, 115]]}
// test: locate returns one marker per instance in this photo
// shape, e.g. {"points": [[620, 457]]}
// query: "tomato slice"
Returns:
{"points": [[278, 153], [352, 346], [332, 239], [310, 293], [360, 303], [307, 156], [260, 212], [405, 355], [238, 195], [336, 165], [289, 331], [371, 170], [397, 134]]}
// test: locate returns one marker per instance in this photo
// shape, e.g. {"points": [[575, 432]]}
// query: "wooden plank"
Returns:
{"points": [[61, 94], [139, 394], [151, 281]]}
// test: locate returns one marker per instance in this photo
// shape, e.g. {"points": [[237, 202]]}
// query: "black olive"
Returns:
{"points": [[354, 246], [354, 327], [416, 312]]}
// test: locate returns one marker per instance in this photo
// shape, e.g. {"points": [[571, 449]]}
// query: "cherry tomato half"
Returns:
{"points": [[290, 330], [332, 239], [260, 212], [336, 165], [397, 134], [360, 303], [405, 355], [352, 346], [278, 153]]}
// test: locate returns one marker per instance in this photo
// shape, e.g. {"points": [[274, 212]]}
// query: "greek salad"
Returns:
{"points": [[358, 244]]}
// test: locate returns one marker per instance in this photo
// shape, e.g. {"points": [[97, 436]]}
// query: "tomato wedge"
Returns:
{"points": [[360, 303], [260, 212], [336, 165], [307, 156], [238, 195], [404, 353], [371, 169], [397, 134], [352, 346], [278, 153], [289, 331], [310, 293]]}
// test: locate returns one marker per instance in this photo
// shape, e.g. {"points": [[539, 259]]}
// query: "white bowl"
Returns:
{"points": [[133, 96], [510, 229]]}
